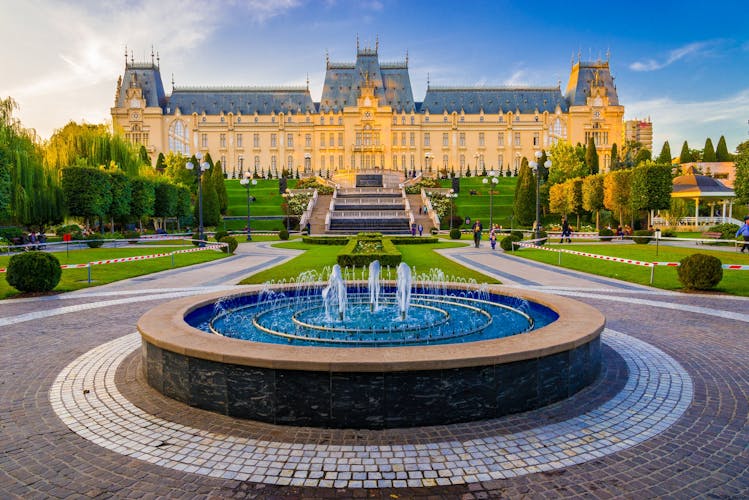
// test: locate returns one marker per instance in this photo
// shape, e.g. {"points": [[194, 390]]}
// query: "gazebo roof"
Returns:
{"points": [[692, 185]]}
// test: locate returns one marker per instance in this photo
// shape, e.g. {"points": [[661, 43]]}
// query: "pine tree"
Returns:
{"points": [[591, 156], [524, 205], [614, 157], [721, 152], [217, 177], [665, 157], [708, 154], [685, 156], [160, 166], [211, 207]]}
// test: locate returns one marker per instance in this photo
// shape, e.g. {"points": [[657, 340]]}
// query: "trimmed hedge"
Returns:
{"points": [[325, 240], [506, 242], [410, 240], [700, 272], [455, 234], [94, 240], [606, 234], [33, 272], [518, 234], [727, 231], [389, 256], [231, 241], [369, 236], [283, 234], [219, 235], [638, 236], [132, 236]]}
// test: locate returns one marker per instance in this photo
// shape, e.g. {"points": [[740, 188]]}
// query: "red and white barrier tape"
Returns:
{"points": [[531, 244]]}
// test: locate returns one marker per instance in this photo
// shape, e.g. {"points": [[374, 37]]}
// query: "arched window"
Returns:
{"points": [[178, 138]]}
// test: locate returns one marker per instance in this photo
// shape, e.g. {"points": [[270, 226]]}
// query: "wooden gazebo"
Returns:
{"points": [[704, 189]]}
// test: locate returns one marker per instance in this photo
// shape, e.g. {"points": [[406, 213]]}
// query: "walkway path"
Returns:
{"points": [[697, 343]]}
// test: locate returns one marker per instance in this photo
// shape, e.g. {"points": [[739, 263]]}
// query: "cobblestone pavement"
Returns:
{"points": [[668, 416]]}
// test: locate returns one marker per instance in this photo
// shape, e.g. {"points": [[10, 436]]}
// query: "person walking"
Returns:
{"points": [[421, 229], [744, 231], [477, 228], [493, 238], [566, 231]]}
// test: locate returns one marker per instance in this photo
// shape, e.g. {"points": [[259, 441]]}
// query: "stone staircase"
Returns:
{"points": [[419, 218], [369, 209], [319, 213]]}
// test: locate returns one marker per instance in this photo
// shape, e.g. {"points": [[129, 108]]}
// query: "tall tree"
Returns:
{"points": [[642, 156], [686, 155], [559, 199], [160, 163], [721, 152], [217, 176], [617, 193], [211, 211], [615, 161], [575, 197], [166, 202], [741, 182], [87, 192], [651, 187], [593, 195], [708, 154], [122, 194], [524, 205], [591, 156], [665, 157], [143, 198], [566, 163]]}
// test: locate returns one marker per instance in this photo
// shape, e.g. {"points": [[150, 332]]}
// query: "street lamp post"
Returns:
{"points": [[536, 168], [202, 167], [246, 182], [491, 181], [451, 195], [427, 158], [288, 197]]}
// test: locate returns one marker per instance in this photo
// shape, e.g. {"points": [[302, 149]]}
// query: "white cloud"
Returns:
{"points": [[519, 77], [677, 121], [673, 56], [262, 10]]}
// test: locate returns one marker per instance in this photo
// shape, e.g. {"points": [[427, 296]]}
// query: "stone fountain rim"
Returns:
{"points": [[165, 327]]}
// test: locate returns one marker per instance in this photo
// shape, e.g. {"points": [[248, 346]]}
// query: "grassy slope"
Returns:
{"points": [[477, 206], [733, 282]]}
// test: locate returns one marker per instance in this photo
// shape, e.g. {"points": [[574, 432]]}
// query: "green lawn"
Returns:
{"points": [[268, 201], [734, 282], [477, 206], [74, 279], [316, 257]]}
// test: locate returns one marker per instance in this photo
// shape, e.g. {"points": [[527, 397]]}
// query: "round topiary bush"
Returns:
{"points": [[507, 241], [94, 240], [455, 234], [283, 234], [33, 272], [606, 234], [517, 234], [220, 235], [231, 241], [542, 235], [196, 239], [131, 236], [642, 236], [700, 272]]}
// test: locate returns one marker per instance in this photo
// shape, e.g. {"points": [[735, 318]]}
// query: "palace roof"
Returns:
{"points": [[586, 75], [473, 100], [245, 100]]}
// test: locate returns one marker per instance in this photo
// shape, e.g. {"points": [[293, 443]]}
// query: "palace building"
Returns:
{"points": [[367, 119]]}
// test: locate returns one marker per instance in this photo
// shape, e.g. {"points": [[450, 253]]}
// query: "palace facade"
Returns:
{"points": [[367, 119]]}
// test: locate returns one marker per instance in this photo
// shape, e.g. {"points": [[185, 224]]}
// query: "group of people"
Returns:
{"points": [[32, 241], [416, 227], [494, 232]]}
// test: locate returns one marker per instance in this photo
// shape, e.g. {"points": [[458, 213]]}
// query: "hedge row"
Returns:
{"points": [[325, 240], [390, 256], [411, 240]]}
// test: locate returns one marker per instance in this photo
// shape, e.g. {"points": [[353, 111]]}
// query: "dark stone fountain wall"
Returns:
{"points": [[372, 400]]}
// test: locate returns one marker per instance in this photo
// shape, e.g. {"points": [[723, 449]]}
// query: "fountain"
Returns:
{"points": [[371, 354]]}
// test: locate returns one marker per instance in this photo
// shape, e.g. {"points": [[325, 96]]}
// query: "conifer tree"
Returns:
{"points": [[665, 157], [685, 156], [614, 157], [721, 152], [217, 177], [708, 154], [524, 205], [591, 156], [160, 162]]}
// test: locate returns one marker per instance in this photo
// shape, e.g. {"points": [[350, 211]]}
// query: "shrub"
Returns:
{"points": [[455, 234], [71, 228], [369, 235], [606, 234], [543, 236], [669, 233], [231, 241], [641, 236], [507, 241], [700, 272], [8, 233], [325, 240], [388, 255], [94, 240], [34, 272], [283, 234], [220, 235], [196, 239], [131, 236], [413, 241], [728, 231]]}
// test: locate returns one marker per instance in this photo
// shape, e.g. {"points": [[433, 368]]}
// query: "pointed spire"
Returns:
{"points": [[406, 57], [428, 79], [579, 54], [172, 82], [126, 55], [608, 54], [158, 59], [307, 82], [357, 43], [327, 59], [132, 57], [377, 43], [572, 59], [152, 54]]}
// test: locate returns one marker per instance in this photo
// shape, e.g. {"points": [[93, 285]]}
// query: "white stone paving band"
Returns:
{"points": [[656, 394]]}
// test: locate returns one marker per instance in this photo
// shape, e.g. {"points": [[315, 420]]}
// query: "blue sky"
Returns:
{"points": [[683, 64]]}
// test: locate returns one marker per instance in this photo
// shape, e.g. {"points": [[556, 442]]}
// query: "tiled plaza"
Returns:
{"points": [[667, 417]]}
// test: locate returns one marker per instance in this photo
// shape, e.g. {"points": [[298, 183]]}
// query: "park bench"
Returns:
{"points": [[710, 235]]}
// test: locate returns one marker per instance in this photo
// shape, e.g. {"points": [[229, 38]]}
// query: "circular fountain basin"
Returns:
{"points": [[375, 386]]}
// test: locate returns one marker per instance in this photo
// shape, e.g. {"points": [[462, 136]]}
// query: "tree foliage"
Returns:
{"points": [[665, 157], [741, 183], [708, 154], [143, 197], [617, 193], [721, 151], [593, 194], [87, 191], [685, 156], [524, 205], [615, 161], [591, 156], [566, 163], [211, 208], [559, 198], [217, 176], [122, 193], [651, 186]]}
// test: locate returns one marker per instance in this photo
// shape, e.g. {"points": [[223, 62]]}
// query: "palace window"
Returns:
{"points": [[412, 139], [204, 140], [257, 162], [426, 139], [273, 166], [395, 120], [413, 120], [322, 120], [330, 121], [481, 118], [445, 140], [445, 161], [340, 139], [426, 119], [462, 163], [517, 138], [289, 140], [308, 140], [395, 138], [322, 161], [444, 118], [535, 139], [290, 163], [403, 138], [500, 139], [240, 163], [223, 162], [331, 141], [255, 140], [403, 161], [413, 164], [239, 140], [395, 162], [481, 138], [340, 161], [358, 138], [340, 120], [273, 140], [178, 138], [322, 139], [222, 140], [501, 161], [462, 140]]}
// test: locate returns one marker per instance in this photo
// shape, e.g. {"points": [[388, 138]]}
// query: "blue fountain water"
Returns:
{"points": [[428, 310]]}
